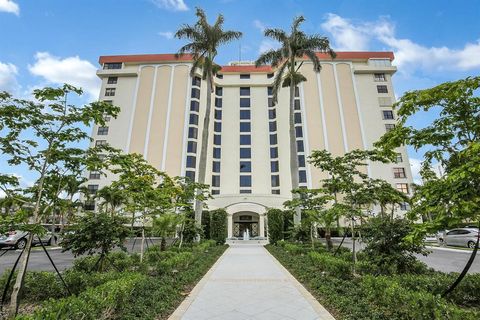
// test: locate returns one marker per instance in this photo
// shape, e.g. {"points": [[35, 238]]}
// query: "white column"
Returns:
{"points": [[261, 226], [230, 226]]}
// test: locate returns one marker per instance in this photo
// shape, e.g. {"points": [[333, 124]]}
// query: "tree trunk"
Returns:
{"points": [[163, 244], [311, 236], [181, 234], [293, 152], [202, 165], [354, 252], [328, 238], [142, 244]]}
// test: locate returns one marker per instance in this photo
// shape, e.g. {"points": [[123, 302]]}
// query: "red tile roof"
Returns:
{"points": [[152, 58]]}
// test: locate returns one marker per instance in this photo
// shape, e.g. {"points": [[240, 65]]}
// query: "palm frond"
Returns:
{"points": [[314, 58], [296, 23], [276, 34], [273, 57], [277, 82]]}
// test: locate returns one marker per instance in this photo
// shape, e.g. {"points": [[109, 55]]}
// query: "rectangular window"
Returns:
{"points": [[216, 166], [219, 76], [399, 173], [244, 114], [106, 118], [192, 132], [385, 101], [246, 191], [102, 131], [296, 104], [404, 206], [298, 132], [273, 139], [217, 139], [196, 81], [195, 93], [94, 175], [244, 76], [92, 188], [194, 106], [387, 115], [217, 153], [302, 176], [379, 77], [274, 166], [269, 75], [112, 65], [245, 166], [89, 206], [218, 114], [244, 102], [190, 175], [275, 191], [216, 191], [245, 139], [273, 152], [270, 102], [403, 187], [275, 180], [245, 153], [193, 119], [217, 126], [191, 162], [218, 102], [219, 91], [272, 125], [215, 181], [245, 181], [244, 91], [300, 147], [112, 80], [100, 143], [272, 114], [191, 147], [301, 161], [270, 91], [245, 127], [389, 127], [398, 158], [298, 117], [110, 92], [382, 89], [297, 92]]}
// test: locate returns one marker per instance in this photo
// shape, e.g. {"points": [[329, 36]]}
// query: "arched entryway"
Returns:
{"points": [[246, 216], [246, 223]]}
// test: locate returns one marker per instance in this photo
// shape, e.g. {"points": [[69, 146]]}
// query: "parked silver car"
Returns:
{"points": [[462, 237], [18, 239]]}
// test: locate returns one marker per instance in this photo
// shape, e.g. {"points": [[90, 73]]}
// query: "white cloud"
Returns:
{"points": [[415, 166], [9, 6], [268, 44], [71, 70], [259, 25], [166, 34], [172, 5], [8, 77], [409, 56]]}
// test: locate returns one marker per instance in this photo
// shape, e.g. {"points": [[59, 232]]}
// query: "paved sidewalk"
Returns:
{"points": [[248, 283]]}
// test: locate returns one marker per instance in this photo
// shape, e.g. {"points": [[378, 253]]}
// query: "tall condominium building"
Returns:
{"points": [[346, 106]]}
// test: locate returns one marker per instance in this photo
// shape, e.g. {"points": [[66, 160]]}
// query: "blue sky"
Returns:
{"points": [[48, 42]]}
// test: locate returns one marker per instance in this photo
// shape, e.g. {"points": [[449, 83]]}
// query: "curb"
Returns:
{"points": [[451, 250]]}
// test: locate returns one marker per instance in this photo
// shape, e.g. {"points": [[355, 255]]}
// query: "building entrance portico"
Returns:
{"points": [[246, 220]]}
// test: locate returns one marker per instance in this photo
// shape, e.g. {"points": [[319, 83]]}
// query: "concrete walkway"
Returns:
{"points": [[249, 283]]}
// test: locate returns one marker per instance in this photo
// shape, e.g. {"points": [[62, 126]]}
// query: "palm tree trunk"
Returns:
{"points": [[293, 152], [202, 165], [328, 238]]}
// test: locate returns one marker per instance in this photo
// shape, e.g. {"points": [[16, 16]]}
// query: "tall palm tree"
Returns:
{"points": [[204, 40], [296, 47], [112, 197]]}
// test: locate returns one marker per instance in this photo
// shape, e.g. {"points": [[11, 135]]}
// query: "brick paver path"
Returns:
{"points": [[249, 283]]}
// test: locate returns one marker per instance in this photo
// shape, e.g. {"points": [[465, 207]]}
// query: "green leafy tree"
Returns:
{"points": [[41, 135], [204, 41], [295, 48], [276, 225], [111, 199], [218, 225], [166, 226], [451, 140]]}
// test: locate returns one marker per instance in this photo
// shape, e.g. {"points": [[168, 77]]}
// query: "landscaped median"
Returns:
{"points": [[126, 289], [368, 295]]}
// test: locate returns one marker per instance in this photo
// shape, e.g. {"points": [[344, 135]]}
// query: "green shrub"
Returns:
{"points": [[218, 225], [176, 263], [293, 248], [333, 265], [276, 225], [38, 285]]}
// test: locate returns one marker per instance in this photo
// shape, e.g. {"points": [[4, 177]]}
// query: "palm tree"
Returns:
{"points": [[112, 197], [295, 47], [204, 40]]}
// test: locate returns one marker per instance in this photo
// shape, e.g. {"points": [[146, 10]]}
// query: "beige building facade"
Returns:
{"points": [[346, 106]]}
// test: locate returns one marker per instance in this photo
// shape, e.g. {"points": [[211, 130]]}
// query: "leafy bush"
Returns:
{"points": [[218, 225], [334, 266], [38, 285], [276, 225], [176, 263]]}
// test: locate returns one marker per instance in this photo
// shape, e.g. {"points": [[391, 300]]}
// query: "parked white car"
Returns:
{"points": [[461, 237], [18, 239]]}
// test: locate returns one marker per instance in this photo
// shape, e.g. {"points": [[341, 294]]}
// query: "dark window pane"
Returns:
{"points": [[110, 92], [272, 126], [300, 146], [92, 188], [245, 127], [195, 93], [244, 91], [302, 176], [297, 92], [275, 181], [192, 147], [215, 191], [196, 81], [217, 139], [274, 166], [297, 104], [219, 91], [274, 152], [102, 131], [245, 181], [389, 126], [194, 118], [190, 175], [89, 206], [217, 153], [387, 115], [245, 166], [277, 191], [112, 80], [244, 76], [270, 102], [301, 161], [216, 166], [245, 153], [245, 139], [219, 76], [298, 117], [194, 106], [270, 91], [192, 132], [272, 114], [246, 191], [113, 65], [244, 102], [218, 102], [191, 161], [218, 114], [217, 127], [270, 75], [244, 114], [273, 139], [298, 132], [94, 175], [215, 181], [382, 89]]}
